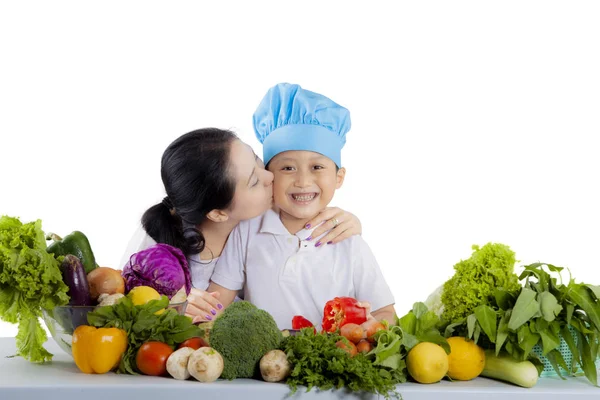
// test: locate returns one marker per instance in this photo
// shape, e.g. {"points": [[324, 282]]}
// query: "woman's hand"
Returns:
{"points": [[340, 224], [203, 306]]}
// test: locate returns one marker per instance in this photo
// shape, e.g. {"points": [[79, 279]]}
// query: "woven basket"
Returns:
{"points": [[565, 352]]}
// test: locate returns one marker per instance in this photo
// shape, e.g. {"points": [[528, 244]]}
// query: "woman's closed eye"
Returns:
{"points": [[255, 183]]}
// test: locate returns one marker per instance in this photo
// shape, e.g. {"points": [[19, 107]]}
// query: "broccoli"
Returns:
{"points": [[475, 279], [242, 335]]}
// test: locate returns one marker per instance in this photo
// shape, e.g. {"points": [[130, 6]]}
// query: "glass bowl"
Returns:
{"points": [[63, 320]]}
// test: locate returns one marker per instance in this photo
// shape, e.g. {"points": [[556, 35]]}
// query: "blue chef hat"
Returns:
{"points": [[292, 118]]}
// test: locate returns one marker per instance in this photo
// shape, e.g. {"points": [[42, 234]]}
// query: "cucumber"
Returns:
{"points": [[75, 278], [505, 368]]}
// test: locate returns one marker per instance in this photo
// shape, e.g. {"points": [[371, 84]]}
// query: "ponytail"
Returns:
{"points": [[194, 171]]}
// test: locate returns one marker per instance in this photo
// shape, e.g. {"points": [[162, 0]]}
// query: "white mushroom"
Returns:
{"points": [[177, 363], [206, 364], [274, 366]]}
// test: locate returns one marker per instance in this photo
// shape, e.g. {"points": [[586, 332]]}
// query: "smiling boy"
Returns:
{"points": [[269, 257]]}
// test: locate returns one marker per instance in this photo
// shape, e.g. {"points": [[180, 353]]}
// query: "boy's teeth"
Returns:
{"points": [[304, 197]]}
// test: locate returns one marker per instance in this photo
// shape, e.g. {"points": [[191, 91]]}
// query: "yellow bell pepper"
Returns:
{"points": [[97, 351]]}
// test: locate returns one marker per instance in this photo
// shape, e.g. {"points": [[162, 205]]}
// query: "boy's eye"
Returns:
{"points": [[287, 168], [318, 167]]}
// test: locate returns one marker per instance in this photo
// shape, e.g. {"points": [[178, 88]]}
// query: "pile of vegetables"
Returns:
{"points": [[317, 361], [149, 322], [542, 312], [484, 301], [484, 320]]}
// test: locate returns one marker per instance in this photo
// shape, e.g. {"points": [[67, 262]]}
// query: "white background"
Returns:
{"points": [[471, 121]]}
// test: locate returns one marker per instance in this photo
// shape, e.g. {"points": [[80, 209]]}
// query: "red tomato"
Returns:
{"points": [[299, 322], [151, 358], [195, 343]]}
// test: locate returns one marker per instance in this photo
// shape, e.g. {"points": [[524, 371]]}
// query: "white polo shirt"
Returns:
{"points": [[286, 275]]}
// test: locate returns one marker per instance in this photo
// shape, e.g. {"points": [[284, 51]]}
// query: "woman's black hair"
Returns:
{"points": [[195, 173]]}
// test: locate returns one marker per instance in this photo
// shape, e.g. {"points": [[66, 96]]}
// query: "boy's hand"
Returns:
{"points": [[340, 224]]}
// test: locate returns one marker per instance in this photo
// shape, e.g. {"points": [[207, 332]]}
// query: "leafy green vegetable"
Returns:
{"points": [[541, 314], [525, 309], [317, 362], [142, 325], [476, 280], [421, 325], [30, 280], [388, 350]]}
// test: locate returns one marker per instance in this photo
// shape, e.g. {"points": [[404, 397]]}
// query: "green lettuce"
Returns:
{"points": [[30, 280], [476, 279]]}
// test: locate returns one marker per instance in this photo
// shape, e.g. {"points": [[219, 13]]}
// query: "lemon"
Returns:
{"points": [[466, 360], [142, 294], [427, 362]]}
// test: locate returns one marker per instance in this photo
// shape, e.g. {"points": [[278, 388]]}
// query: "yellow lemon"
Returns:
{"points": [[466, 360], [427, 362], [142, 294]]}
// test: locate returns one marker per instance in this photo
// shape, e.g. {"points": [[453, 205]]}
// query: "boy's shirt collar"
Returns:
{"points": [[271, 223]]}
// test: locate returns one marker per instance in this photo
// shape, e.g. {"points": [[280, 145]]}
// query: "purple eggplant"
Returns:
{"points": [[75, 278]]}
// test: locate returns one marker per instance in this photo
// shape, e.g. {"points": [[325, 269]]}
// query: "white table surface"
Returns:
{"points": [[61, 380]]}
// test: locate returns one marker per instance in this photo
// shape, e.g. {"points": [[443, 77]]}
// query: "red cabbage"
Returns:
{"points": [[161, 267]]}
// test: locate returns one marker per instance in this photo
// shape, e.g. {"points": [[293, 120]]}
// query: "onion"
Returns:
{"points": [[105, 280]]}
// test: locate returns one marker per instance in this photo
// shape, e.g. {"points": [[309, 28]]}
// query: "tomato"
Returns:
{"points": [[299, 322], [195, 343], [151, 358]]}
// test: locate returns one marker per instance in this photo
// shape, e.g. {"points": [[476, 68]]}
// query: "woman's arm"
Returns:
{"points": [[340, 224]]}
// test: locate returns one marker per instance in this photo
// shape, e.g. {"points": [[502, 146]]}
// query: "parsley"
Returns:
{"points": [[317, 362]]}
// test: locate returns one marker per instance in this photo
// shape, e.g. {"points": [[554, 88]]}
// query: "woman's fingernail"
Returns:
{"points": [[329, 242], [220, 306], [208, 317], [307, 226], [309, 238], [318, 244], [213, 312]]}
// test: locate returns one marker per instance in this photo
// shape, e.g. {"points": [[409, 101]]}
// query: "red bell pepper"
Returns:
{"points": [[299, 322], [341, 311]]}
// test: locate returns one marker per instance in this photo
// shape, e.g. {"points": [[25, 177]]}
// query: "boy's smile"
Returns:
{"points": [[304, 184], [303, 198]]}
